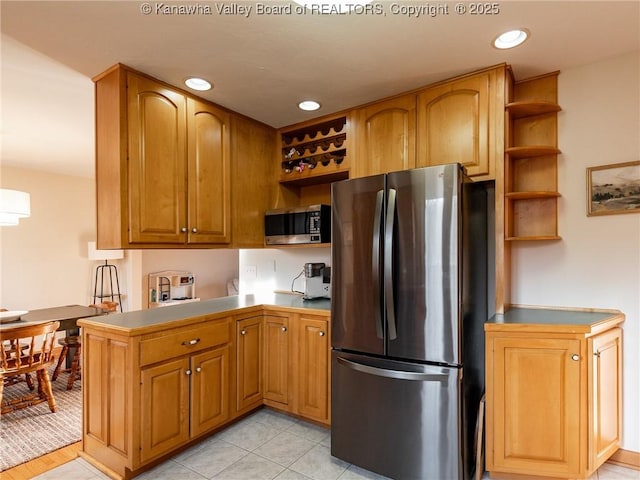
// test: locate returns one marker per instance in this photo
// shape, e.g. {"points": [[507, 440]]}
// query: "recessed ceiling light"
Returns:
{"points": [[511, 39], [197, 83], [309, 105]]}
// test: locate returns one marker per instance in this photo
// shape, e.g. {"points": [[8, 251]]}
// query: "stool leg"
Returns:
{"points": [[63, 354], [75, 367], [29, 380]]}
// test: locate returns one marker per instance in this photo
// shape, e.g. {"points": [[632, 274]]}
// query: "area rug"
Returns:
{"points": [[34, 431]]}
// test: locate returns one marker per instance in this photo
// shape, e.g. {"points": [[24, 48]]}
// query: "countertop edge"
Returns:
{"points": [[98, 324]]}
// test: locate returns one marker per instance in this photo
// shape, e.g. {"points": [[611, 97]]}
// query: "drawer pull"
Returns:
{"points": [[191, 342], [575, 357]]}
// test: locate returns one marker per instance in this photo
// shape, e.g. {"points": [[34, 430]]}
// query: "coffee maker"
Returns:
{"points": [[317, 281]]}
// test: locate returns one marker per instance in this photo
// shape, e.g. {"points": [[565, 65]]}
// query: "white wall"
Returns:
{"points": [[597, 263], [212, 269], [44, 258], [276, 268]]}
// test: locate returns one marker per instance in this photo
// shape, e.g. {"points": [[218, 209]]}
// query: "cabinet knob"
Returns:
{"points": [[243, 332], [188, 371], [194, 230], [575, 357], [193, 341], [183, 229], [284, 329], [322, 334], [198, 370]]}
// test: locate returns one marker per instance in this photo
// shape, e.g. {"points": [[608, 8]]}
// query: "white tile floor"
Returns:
{"points": [[265, 445]]}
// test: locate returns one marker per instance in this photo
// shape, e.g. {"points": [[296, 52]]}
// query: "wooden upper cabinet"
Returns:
{"points": [[209, 173], [157, 166], [462, 121], [386, 136], [162, 165]]}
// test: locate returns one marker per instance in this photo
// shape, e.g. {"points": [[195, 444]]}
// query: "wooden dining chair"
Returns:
{"points": [[35, 356]]}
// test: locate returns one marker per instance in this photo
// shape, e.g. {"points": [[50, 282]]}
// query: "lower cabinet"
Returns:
{"points": [[313, 367], [183, 398], [249, 362], [296, 375], [148, 393], [277, 358], [553, 402]]}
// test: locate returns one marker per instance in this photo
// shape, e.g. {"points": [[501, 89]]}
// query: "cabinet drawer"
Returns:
{"points": [[181, 341]]}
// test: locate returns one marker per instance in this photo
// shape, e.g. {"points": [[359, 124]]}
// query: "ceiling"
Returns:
{"points": [[262, 64]]}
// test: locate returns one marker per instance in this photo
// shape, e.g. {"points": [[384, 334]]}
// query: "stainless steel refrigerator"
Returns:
{"points": [[409, 300]]}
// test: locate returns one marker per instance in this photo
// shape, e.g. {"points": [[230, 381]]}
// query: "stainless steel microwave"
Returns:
{"points": [[299, 225]]}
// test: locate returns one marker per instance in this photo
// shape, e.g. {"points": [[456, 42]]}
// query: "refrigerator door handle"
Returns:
{"points": [[388, 264], [394, 374], [375, 257]]}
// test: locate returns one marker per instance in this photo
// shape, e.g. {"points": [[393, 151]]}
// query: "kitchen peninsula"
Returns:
{"points": [[159, 380]]}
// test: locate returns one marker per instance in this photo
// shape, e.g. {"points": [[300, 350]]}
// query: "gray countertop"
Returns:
{"points": [[550, 316], [143, 319], [553, 319]]}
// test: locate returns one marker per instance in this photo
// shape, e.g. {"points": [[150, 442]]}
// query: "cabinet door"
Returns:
{"points": [[210, 390], [454, 124], [313, 368], [276, 358], [208, 174], [605, 419], [386, 133], [249, 361], [165, 407], [157, 159], [535, 387]]}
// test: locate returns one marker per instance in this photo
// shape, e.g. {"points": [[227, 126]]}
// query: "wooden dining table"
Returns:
{"points": [[67, 315]]}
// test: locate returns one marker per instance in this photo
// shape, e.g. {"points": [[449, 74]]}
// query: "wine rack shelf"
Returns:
{"points": [[315, 153]]}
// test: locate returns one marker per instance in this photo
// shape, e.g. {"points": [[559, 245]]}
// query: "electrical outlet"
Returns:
{"points": [[251, 272]]}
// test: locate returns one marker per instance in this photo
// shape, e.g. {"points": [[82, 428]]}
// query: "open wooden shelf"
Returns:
{"points": [[531, 151], [530, 195], [531, 160], [529, 109]]}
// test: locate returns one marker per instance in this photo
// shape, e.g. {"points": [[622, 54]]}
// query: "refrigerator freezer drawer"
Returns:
{"points": [[398, 419]]}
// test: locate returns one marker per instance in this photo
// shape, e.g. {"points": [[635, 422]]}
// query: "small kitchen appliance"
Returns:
{"points": [[317, 281], [171, 287], [300, 225]]}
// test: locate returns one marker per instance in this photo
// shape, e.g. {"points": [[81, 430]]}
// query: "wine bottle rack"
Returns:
{"points": [[315, 151]]}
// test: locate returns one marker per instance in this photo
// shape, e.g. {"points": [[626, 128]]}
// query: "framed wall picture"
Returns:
{"points": [[613, 189]]}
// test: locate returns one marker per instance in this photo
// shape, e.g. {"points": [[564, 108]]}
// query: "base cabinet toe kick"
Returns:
{"points": [[148, 394]]}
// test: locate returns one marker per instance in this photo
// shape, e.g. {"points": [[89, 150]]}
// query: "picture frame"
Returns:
{"points": [[613, 189]]}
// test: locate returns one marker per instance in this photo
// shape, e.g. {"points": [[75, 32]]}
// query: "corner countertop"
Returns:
{"points": [[140, 321], [550, 319]]}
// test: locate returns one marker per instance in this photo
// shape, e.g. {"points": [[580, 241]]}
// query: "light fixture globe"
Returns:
{"points": [[14, 205]]}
